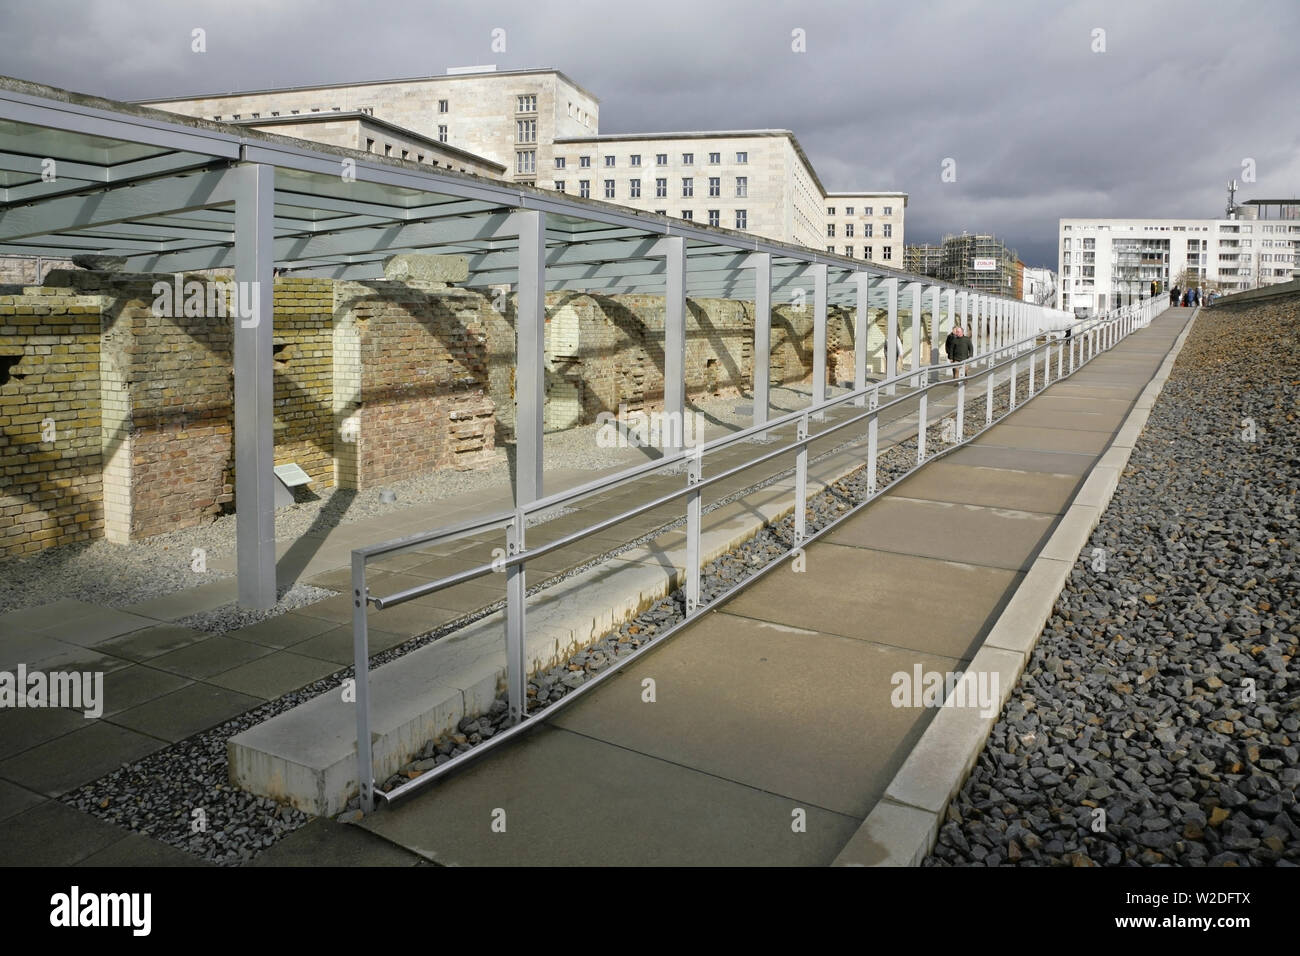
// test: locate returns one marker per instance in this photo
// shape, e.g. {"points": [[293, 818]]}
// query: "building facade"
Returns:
{"points": [[1107, 262], [866, 225], [1039, 286], [511, 117], [538, 127]]}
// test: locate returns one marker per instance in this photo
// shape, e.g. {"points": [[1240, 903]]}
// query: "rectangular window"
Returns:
{"points": [[526, 161], [526, 131], [526, 104], [866, 230], [388, 149], [442, 134], [584, 188], [715, 217], [889, 231], [634, 189], [559, 162], [661, 159], [742, 158], [609, 189], [634, 159], [688, 159], [866, 252], [848, 230], [830, 230], [405, 154], [444, 106], [559, 185], [688, 214], [889, 210], [688, 187], [661, 188], [848, 210], [830, 210], [848, 251], [867, 211], [742, 219], [370, 145], [742, 187], [889, 252], [830, 248], [715, 185], [715, 159], [584, 162], [661, 212]]}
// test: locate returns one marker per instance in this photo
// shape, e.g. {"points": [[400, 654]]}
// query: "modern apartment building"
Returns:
{"points": [[510, 118], [538, 127], [1104, 262], [866, 225]]}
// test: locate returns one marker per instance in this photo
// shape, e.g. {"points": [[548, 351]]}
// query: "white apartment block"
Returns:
{"points": [[510, 117], [866, 225], [1104, 262], [539, 128]]}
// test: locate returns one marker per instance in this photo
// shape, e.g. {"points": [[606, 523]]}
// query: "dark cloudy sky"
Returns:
{"points": [[1040, 126]]}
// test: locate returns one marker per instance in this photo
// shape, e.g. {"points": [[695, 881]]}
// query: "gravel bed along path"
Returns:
{"points": [[1158, 719]]}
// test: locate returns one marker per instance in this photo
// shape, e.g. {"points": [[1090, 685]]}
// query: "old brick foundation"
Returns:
{"points": [[116, 416]]}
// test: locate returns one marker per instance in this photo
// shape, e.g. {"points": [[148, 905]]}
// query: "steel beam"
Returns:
{"points": [[530, 354]]}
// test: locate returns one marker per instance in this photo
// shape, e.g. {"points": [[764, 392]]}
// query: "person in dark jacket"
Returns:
{"points": [[1173, 297], [959, 348]]}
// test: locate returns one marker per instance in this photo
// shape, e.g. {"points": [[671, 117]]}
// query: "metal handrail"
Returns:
{"points": [[1092, 335]]}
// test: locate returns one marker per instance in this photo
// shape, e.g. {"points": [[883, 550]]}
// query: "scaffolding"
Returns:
{"points": [[981, 262]]}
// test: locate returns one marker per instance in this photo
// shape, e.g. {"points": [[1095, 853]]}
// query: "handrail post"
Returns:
{"points": [[1011, 395], [872, 441], [694, 468], [516, 596], [922, 409], [988, 402], [961, 404], [801, 482], [361, 683]]}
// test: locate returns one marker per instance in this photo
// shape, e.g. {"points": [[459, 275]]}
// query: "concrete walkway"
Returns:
{"points": [[164, 682], [772, 733]]}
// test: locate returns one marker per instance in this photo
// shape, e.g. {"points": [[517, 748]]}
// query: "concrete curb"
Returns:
{"points": [[903, 827]]}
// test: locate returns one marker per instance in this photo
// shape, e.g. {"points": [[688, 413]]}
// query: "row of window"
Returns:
{"points": [[661, 187], [886, 252], [887, 230], [634, 159], [866, 210]]}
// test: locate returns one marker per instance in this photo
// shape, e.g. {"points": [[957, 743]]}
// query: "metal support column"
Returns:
{"points": [[860, 325], [891, 333], [673, 249], [530, 355], [761, 263], [253, 188], [819, 337], [917, 295]]}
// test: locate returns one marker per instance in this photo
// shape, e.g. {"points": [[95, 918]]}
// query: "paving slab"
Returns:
{"points": [[15, 799], [209, 657], [283, 630], [93, 629], [46, 615], [1080, 418], [1045, 439], [970, 534], [821, 701], [194, 600], [335, 645], [54, 834], [136, 849], [136, 684], [22, 728], [900, 600], [185, 712], [322, 842], [570, 800], [1022, 459], [153, 642], [946, 480], [276, 674], [30, 648], [85, 754]]}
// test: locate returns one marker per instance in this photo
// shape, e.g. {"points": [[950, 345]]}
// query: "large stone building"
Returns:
{"points": [[511, 117], [540, 128], [1108, 261]]}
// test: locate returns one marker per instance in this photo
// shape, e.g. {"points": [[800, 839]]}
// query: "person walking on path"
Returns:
{"points": [[959, 348], [1173, 297]]}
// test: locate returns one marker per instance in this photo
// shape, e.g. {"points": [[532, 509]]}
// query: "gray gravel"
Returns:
{"points": [[1135, 701]]}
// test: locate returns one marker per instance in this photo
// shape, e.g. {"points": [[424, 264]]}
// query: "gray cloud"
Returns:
{"points": [[1039, 125]]}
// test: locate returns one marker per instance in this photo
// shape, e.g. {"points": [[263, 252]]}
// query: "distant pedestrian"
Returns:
{"points": [[1173, 297], [959, 348]]}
